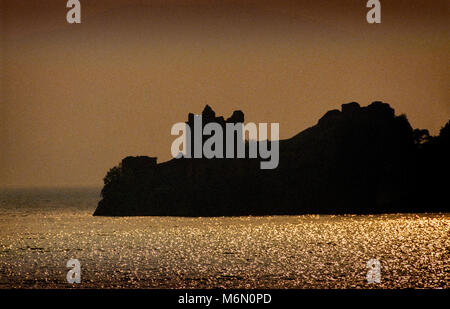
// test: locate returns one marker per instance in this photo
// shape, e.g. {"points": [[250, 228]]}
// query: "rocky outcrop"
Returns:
{"points": [[355, 160]]}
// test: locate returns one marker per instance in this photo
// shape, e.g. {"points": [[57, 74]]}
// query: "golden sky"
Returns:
{"points": [[77, 98]]}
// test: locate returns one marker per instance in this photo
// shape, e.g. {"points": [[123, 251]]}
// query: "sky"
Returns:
{"points": [[77, 98]]}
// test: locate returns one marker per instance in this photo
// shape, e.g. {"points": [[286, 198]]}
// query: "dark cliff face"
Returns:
{"points": [[355, 160]]}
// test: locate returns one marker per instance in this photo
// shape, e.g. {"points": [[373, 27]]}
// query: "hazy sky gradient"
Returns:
{"points": [[76, 99]]}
